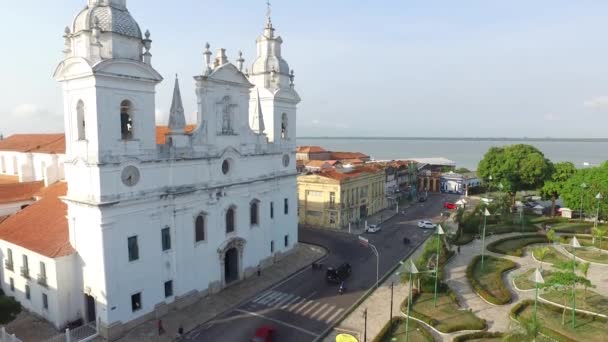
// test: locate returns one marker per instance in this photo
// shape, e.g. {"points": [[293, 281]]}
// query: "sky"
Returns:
{"points": [[471, 68]]}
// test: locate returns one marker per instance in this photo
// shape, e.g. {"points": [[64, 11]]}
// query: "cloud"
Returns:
{"points": [[597, 103], [28, 110], [31, 118]]}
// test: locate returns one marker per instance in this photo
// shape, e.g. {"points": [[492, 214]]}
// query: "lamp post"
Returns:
{"points": [[390, 317], [599, 197], [488, 187], [439, 233], [583, 187], [412, 270], [538, 279], [575, 244], [365, 325], [365, 242], [486, 213]]}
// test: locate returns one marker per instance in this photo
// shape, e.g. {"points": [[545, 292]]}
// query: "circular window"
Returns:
{"points": [[226, 166], [286, 160]]}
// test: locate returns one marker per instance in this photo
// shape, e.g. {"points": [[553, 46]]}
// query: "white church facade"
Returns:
{"points": [[151, 226]]}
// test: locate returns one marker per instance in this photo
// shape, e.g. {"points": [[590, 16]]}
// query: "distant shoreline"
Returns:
{"points": [[589, 140]]}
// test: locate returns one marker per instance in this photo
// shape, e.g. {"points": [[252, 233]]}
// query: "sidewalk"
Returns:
{"points": [[377, 218], [209, 307]]}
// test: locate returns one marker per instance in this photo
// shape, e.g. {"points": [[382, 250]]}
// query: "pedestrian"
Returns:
{"points": [[259, 271], [161, 330], [180, 332], [458, 249]]}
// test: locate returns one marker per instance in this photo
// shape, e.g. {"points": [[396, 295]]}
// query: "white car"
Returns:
{"points": [[373, 228], [425, 224]]}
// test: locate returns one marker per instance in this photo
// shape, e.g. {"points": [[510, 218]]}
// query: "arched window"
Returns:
{"points": [[199, 228], [284, 126], [80, 121], [126, 120], [230, 220], [254, 210]]}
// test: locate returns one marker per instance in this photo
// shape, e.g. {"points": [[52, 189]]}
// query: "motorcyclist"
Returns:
{"points": [[342, 288]]}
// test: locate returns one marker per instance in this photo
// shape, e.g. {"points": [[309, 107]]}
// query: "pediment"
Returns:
{"points": [[72, 68], [128, 68], [229, 73], [288, 94]]}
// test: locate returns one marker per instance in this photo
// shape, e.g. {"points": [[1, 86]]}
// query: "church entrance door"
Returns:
{"points": [[231, 266]]}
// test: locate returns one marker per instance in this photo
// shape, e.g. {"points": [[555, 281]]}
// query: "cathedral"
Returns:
{"points": [[157, 221]]}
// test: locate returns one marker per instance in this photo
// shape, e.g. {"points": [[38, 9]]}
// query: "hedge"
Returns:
{"points": [[388, 327], [9, 309], [477, 335], [531, 240], [505, 295]]}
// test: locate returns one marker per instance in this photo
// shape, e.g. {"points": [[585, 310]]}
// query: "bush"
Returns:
{"points": [[514, 245], [501, 294], [477, 336], [9, 309]]}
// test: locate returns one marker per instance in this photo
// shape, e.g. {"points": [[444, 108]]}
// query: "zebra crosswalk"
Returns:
{"points": [[315, 310]]}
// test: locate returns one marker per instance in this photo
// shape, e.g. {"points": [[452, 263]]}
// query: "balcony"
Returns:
{"points": [[42, 280], [25, 272], [8, 265]]}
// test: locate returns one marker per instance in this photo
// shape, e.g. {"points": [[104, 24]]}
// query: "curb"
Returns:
{"points": [[367, 293], [581, 259], [567, 307], [439, 332]]}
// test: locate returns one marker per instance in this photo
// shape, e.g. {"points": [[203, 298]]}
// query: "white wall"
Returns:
{"points": [[33, 166]]}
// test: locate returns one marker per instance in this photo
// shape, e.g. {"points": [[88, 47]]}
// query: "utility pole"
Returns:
{"points": [[365, 325], [390, 317]]}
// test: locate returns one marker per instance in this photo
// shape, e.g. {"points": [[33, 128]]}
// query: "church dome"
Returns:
{"points": [[267, 63], [111, 19]]}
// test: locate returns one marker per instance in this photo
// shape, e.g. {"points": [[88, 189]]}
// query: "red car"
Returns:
{"points": [[263, 334], [450, 206]]}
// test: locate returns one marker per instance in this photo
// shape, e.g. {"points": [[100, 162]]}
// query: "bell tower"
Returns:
{"points": [[274, 89]]}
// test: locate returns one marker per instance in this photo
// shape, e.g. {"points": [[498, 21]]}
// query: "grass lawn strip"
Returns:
{"points": [[484, 336], [588, 328], [594, 302], [585, 241], [397, 332], [525, 281], [447, 317], [514, 245], [488, 282], [590, 255], [553, 257]]}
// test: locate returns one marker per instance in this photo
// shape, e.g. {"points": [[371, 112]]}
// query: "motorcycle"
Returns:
{"points": [[342, 288]]}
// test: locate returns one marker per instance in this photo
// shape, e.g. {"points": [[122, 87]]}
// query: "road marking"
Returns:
{"points": [[303, 306], [279, 303], [296, 304], [321, 308], [326, 312], [269, 298], [332, 317], [279, 322], [295, 298], [276, 299], [265, 294], [310, 308]]}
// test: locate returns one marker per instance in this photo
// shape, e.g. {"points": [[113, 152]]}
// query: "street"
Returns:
{"points": [[303, 306]]}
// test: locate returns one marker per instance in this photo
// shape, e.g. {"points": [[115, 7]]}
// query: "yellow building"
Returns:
{"points": [[335, 198]]}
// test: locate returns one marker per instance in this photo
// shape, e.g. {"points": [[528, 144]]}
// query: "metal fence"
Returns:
{"points": [[83, 333], [6, 337]]}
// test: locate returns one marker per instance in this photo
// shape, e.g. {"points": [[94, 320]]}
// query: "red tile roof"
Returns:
{"points": [[347, 155], [41, 227], [18, 192], [310, 149], [340, 176], [162, 131], [37, 143], [3, 218]]}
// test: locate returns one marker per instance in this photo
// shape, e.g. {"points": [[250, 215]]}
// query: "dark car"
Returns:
{"points": [[421, 199], [338, 274], [263, 334]]}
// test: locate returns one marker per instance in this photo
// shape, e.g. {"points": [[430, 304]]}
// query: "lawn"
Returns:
{"points": [[514, 245], [447, 316], [480, 336], [590, 255], [397, 333], [588, 328], [488, 282], [594, 302], [525, 281], [494, 229], [553, 257], [586, 241]]}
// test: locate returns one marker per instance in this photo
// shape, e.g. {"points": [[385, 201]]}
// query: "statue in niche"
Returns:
{"points": [[227, 110]]}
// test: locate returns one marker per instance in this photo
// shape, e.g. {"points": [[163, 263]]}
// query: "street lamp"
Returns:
{"points": [[365, 325], [583, 186], [390, 317], [439, 233], [575, 244], [412, 270], [597, 216], [488, 187], [538, 279], [486, 213]]}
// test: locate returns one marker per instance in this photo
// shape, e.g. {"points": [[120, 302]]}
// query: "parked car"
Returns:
{"points": [[339, 274], [449, 205], [373, 228], [426, 224], [263, 334]]}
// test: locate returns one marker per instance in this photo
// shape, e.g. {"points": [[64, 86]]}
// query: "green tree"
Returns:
{"points": [[517, 167], [462, 170], [584, 268], [596, 180], [551, 235], [560, 174], [541, 253], [564, 279], [459, 218], [599, 233]]}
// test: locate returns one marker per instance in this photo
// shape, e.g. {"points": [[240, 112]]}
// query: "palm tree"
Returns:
{"points": [[599, 233], [541, 253]]}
